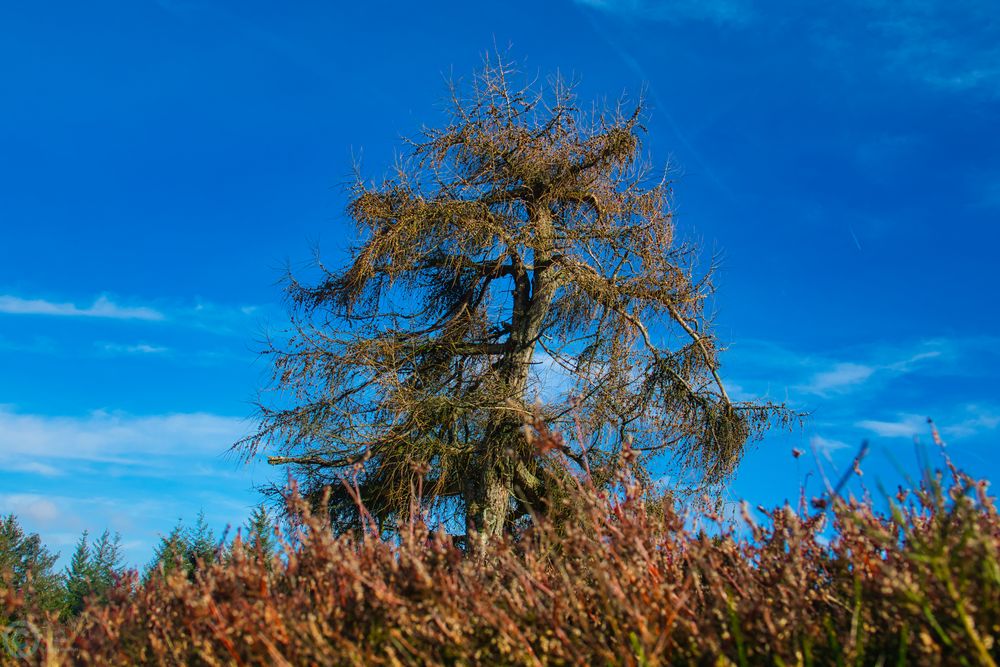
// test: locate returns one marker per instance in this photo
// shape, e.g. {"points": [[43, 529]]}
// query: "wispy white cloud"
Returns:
{"points": [[967, 421], [948, 45], [126, 440], [34, 345], [912, 362], [724, 12], [844, 376], [30, 506], [61, 516], [134, 474], [841, 377], [138, 348], [34, 468], [826, 446], [220, 318], [137, 474], [552, 380], [217, 318], [903, 426], [978, 419], [102, 307], [951, 45]]}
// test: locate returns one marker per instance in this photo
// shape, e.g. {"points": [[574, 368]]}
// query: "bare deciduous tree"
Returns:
{"points": [[518, 256]]}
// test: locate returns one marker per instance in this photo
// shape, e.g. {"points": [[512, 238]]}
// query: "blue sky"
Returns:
{"points": [[162, 161]]}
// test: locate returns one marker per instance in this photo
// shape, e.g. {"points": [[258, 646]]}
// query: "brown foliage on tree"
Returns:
{"points": [[519, 264]]}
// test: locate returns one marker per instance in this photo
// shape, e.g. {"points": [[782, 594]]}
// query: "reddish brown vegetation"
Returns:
{"points": [[621, 579]]}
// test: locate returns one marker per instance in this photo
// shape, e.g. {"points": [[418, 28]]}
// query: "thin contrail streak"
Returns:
{"points": [[637, 69], [854, 236]]}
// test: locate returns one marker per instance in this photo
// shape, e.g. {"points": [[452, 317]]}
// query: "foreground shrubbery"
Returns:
{"points": [[623, 579]]}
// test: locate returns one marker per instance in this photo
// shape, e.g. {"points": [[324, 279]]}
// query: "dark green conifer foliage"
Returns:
{"points": [[108, 560], [260, 540], [202, 544], [186, 548], [26, 567], [93, 570], [79, 576], [171, 552]]}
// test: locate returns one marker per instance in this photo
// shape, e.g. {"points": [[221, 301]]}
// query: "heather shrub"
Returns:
{"points": [[623, 577]]}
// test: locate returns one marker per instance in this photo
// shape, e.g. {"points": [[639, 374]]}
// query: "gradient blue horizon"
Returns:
{"points": [[165, 161]]}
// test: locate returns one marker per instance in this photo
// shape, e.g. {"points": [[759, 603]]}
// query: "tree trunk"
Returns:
{"points": [[497, 501], [501, 449]]}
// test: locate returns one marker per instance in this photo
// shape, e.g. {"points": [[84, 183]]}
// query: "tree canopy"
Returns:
{"points": [[520, 263], [185, 548], [26, 567], [93, 570]]}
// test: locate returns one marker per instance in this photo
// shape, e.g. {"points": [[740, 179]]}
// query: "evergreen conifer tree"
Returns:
{"points": [[26, 567], [79, 576], [93, 570], [108, 560], [260, 540], [202, 545], [170, 553], [187, 548]]}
